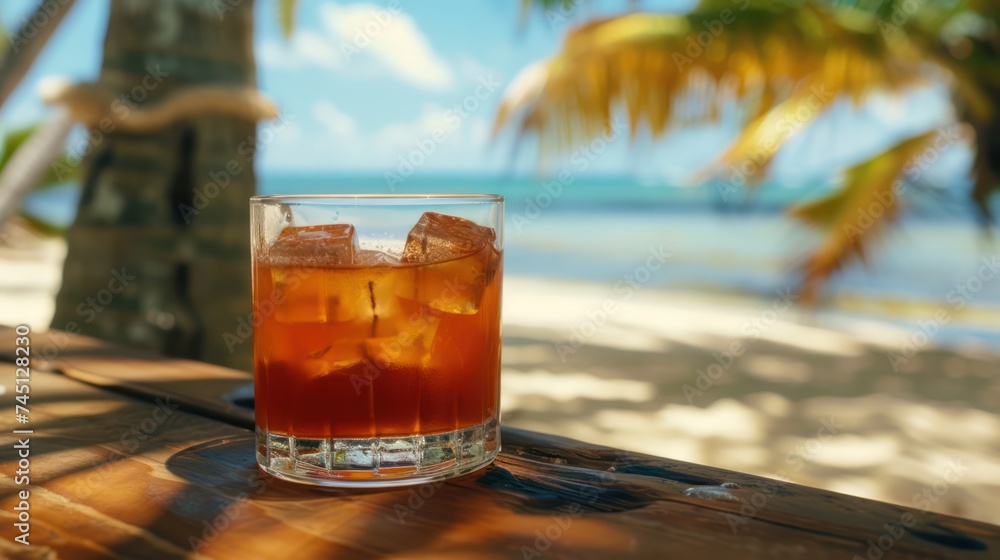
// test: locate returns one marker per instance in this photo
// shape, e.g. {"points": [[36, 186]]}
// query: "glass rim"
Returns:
{"points": [[430, 198]]}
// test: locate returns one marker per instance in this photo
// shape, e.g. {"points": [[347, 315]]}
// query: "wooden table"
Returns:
{"points": [[138, 456]]}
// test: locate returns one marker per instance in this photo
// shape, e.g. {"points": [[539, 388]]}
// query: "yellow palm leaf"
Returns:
{"points": [[784, 62], [760, 141], [286, 16], [641, 64], [855, 214]]}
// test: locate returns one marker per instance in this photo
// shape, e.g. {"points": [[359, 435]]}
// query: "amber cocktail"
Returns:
{"points": [[377, 336]]}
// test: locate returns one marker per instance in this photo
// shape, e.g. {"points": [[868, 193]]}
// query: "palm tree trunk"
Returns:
{"points": [[159, 252]]}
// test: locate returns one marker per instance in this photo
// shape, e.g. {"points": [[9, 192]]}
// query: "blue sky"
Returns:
{"points": [[357, 103]]}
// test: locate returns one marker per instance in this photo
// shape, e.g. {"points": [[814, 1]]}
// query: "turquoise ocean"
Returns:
{"points": [[599, 229]]}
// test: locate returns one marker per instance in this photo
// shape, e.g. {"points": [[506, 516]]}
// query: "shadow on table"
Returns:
{"points": [[541, 475], [225, 482]]}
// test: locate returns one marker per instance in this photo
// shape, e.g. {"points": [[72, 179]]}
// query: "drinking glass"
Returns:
{"points": [[376, 336]]}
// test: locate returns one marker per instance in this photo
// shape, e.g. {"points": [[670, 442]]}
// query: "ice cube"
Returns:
{"points": [[300, 256], [378, 302], [408, 347], [315, 245], [370, 257], [458, 261], [440, 237], [299, 295], [318, 295], [337, 357]]}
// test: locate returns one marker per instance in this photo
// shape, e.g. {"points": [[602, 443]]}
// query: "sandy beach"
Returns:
{"points": [[753, 385], [811, 405]]}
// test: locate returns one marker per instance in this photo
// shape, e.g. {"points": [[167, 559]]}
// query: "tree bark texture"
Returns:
{"points": [[159, 252]]}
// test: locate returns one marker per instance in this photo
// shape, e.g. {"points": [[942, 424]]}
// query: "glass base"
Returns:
{"points": [[378, 462]]}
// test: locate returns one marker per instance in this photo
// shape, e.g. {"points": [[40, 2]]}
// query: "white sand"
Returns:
{"points": [[774, 410], [30, 274]]}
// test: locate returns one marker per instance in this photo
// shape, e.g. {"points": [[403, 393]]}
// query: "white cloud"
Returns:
{"points": [[434, 119], [471, 70], [316, 49], [336, 122], [365, 40], [304, 47], [391, 38], [479, 132], [448, 142]]}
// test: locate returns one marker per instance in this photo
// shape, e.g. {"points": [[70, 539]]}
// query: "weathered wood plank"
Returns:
{"points": [[120, 477], [197, 386]]}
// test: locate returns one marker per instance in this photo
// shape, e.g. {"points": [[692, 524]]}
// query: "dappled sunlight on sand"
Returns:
{"points": [[777, 368], [802, 401], [575, 386], [852, 451], [723, 419], [32, 272], [809, 339]]}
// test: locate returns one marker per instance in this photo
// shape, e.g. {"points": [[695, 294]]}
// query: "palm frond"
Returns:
{"points": [[286, 16], [855, 214], [976, 95], [27, 160], [783, 63], [13, 140], [547, 5], [643, 63], [760, 140], [52, 177]]}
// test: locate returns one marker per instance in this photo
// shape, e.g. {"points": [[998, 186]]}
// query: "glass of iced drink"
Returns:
{"points": [[377, 336]]}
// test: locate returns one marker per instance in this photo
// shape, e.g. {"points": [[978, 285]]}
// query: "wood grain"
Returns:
{"points": [[198, 386], [123, 477]]}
